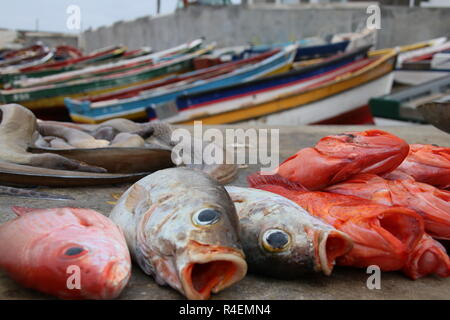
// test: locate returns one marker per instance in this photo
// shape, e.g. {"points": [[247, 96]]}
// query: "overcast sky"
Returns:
{"points": [[50, 15]]}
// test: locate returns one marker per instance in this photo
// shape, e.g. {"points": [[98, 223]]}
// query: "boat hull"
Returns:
{"points": [[403, 104], [54, 95], [417, 77], [137, 108], [351, 91], [335, 107]]}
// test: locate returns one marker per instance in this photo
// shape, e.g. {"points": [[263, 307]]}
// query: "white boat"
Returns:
{"points": [[424, 71], [353, 100], [337, 95]]}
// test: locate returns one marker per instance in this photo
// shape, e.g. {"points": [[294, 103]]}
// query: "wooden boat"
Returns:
{"points": [[50, 96], [282, 82], [403, 105], [198, 74], [65, 52], [437, 113], [42, 70], [416, 66], [306, 52], [137, 53], [313, 99], [38, 59], [427, 47], [258, 90], [365, 37], [324, 50], [21, 56], [441, 61], [134, 107], [111, 68]]}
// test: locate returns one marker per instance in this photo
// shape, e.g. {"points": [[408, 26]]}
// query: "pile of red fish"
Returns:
{"points": [[388, 196]]}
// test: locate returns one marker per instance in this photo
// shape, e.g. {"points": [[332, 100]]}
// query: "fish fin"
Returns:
{"points": [[142, 260], [235, 196], [138, 201], [20, 211], [257, 179]]}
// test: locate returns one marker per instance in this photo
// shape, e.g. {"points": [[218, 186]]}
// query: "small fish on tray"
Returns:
{"points": [[49, 153]]}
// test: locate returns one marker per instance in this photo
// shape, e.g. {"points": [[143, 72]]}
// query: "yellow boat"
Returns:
{"points": [[314, 100]]}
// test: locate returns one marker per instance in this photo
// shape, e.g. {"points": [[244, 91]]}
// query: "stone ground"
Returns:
{"points": [[344, 283]]}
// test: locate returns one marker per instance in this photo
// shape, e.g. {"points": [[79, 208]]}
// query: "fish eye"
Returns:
{"points": [[74, 251], [206, 217], [275, 240]]}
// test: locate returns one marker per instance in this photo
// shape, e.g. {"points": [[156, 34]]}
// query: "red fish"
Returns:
{"points": [[429, 164], [431, 203], [66, 252], [428, 257], [335, 158], [382, 235]]}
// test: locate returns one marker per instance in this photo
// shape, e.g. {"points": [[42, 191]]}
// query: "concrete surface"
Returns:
{"points": [[238, 25], [344, 283]]}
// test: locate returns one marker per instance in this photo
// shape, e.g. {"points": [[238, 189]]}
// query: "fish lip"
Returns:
{"points": [[327, 264], [117, 275], [233, 256]]}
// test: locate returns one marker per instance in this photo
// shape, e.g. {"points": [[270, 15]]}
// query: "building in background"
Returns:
{"points": [[422, 3], [435, 3], [289, 1], [15, 39], [187, 3]]}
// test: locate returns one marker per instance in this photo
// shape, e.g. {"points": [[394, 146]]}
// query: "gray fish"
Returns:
{"points": [[182, 228], [24, 193], [281, 239]]}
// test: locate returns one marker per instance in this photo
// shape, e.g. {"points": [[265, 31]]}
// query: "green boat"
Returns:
{"points": [[117, 66], [50, 96], [47, 69], [402, 105]]}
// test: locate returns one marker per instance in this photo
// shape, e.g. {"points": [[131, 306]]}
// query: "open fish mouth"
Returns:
{"points": [[332, 245], [212, 272], [427, 258], [386, 240], [402, 224], [433, 261]]}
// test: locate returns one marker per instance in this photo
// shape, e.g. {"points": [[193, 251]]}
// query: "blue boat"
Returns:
{"points": [[187, 101], [304, 52], [324, 50], [135, 107]]}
